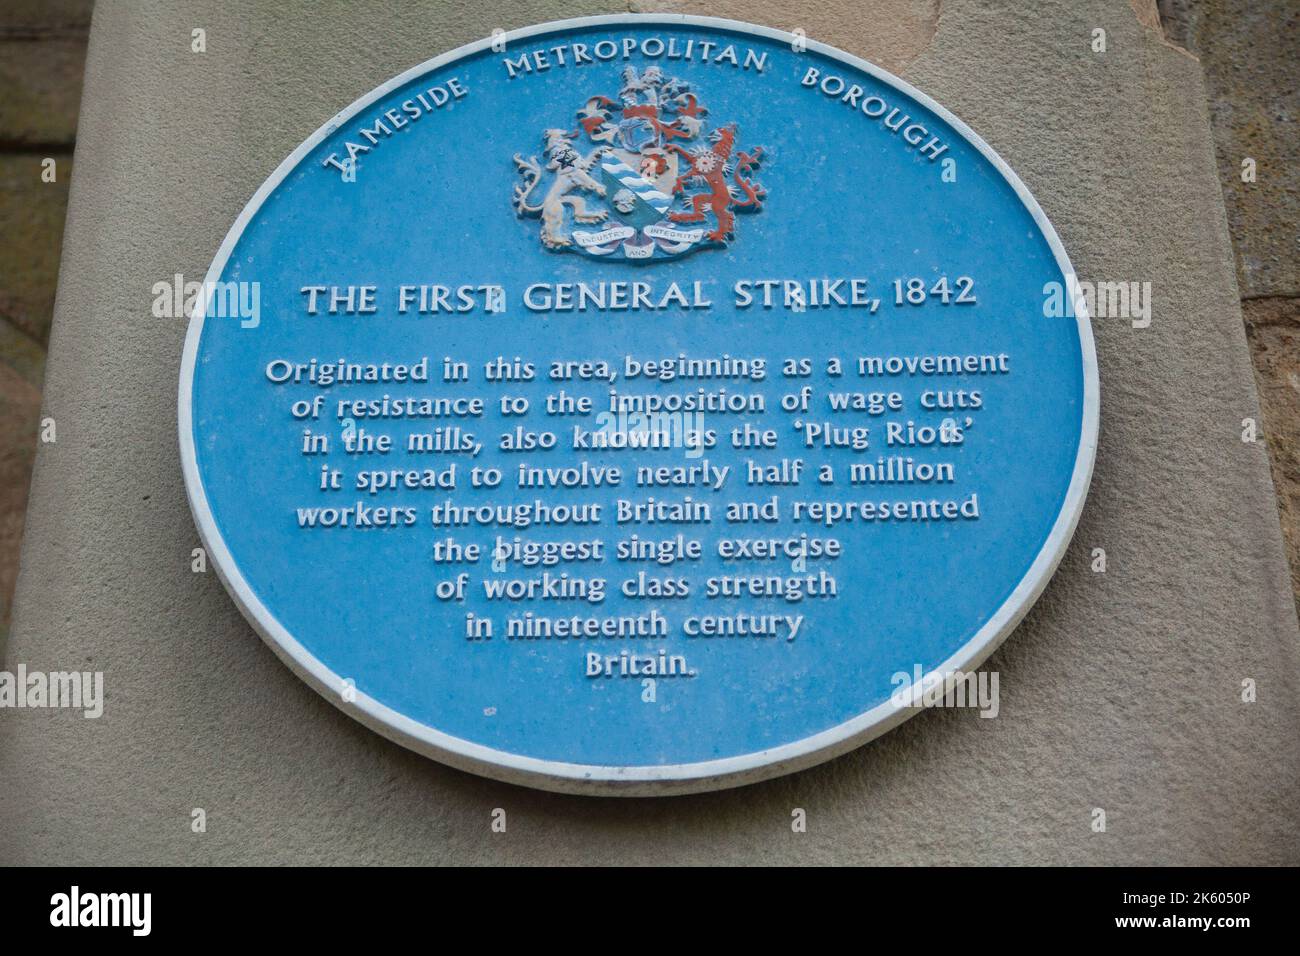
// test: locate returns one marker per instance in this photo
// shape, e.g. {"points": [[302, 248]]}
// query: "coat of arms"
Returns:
{"points": [[643, 172]]}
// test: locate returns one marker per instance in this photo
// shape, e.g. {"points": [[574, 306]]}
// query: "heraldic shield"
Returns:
{"points": [[640, 178]]}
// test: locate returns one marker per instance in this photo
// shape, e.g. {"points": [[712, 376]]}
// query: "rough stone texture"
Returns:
{"points": [[1119, 691], [1273, 327], [45, 17], [41, 77], [42, 53], [897, 33], [20, 402], [1252, 78], [31, 215]]}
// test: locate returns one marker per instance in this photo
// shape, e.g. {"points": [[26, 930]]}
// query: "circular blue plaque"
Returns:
{"points": [[638, 404]]}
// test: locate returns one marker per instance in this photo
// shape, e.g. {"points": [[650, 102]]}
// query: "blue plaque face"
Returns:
{"points": [[638, 404]]}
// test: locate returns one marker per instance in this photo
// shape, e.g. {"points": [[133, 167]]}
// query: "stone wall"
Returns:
{"points": [[1121, 691], [1248, 57], [42, 55]]}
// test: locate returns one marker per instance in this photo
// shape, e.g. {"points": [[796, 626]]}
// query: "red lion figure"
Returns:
{"points": [[713, 166]]}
